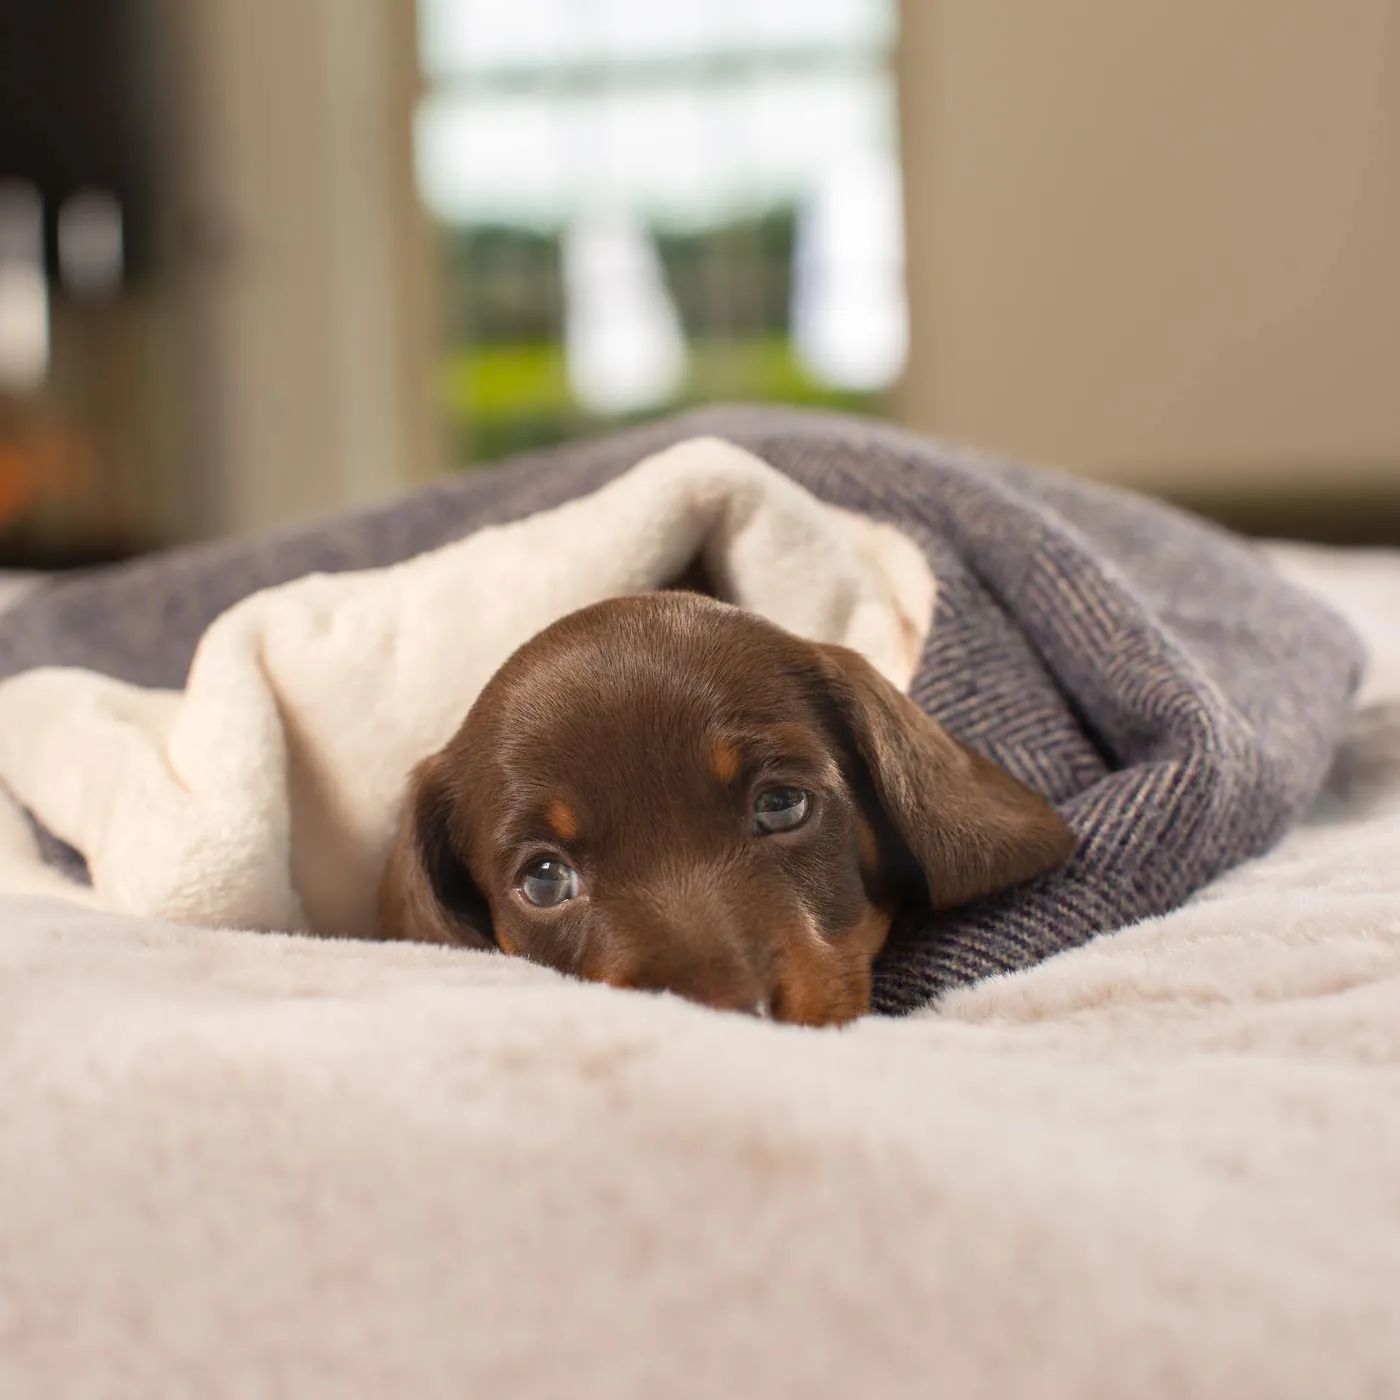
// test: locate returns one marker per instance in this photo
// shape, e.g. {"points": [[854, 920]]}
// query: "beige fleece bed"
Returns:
{"points": [[1166, 1164]]}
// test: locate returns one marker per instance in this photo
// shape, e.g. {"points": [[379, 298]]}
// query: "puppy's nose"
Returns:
{"points": [[743, 1003], [761, 1010]]}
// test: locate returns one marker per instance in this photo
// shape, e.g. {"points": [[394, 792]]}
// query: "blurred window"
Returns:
{"points": [[646, 204]]}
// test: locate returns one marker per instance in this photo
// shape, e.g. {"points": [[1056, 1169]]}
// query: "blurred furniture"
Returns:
{"points": [[1160, 244], [90, 373], [306, 256]]}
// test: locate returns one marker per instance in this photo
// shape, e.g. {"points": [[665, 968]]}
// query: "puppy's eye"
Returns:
{"points": [[779, 809], [549, 882]]}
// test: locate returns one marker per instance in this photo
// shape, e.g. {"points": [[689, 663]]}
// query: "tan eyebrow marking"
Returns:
{"points": [[725, 760], [562, 819]]}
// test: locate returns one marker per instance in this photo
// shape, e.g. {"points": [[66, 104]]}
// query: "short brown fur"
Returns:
{"points": [[629, 740]]}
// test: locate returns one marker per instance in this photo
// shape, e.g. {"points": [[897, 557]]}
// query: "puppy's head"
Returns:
{"points": [[664, 792]]}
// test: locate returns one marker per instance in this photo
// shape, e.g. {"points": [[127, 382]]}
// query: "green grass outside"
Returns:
{"points": [[505, 398]]}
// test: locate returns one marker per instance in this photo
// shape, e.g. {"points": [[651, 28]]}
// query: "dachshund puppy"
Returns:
{"points": [[665, 792]]}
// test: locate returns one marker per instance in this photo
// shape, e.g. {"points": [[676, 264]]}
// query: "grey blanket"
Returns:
{"points": [[1148, 673]]}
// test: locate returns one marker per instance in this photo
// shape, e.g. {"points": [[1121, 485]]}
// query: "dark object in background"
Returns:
{"points": [[1350, 514], [80, 171], [77, 85]]}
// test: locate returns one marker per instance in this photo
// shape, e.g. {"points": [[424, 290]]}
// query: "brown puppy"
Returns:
{"points": [[665, 792]]}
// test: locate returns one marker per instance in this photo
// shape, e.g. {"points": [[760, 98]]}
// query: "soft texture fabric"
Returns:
{"points": [[1152, 676], [265, 794], [1163, 1165], [14, 583]]}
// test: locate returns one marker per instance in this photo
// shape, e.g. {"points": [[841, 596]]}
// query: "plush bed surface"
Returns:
{"points": [[1163, 1164]]}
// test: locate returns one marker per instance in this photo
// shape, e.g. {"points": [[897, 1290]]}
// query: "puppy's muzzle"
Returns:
{"points": [[693, 942]]}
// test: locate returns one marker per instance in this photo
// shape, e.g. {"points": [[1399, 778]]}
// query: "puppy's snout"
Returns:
{"points": [[692, 944], [716, 977]]}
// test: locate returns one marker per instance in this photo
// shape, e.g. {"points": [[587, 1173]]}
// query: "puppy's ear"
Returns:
{"points": [[427, 894], [970, 827]]}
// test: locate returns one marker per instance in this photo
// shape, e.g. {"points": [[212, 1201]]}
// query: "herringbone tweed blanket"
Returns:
{"points": [[1150, 674]]}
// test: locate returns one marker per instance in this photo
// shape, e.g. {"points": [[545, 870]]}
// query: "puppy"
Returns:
{"points": [[667, 793]]}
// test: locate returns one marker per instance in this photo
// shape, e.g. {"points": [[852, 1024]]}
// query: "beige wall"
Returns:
{"points": [[308, 278], [1154, 240]]}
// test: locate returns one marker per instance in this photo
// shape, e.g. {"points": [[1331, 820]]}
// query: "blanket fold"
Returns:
{"points": [[1152, 675], [264, 794]]}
